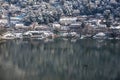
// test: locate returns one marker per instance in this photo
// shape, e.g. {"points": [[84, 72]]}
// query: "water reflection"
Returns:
{"points": [[60, 60]]}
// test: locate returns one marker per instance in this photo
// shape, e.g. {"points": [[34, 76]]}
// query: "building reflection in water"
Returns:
{"points": [[60, 60]]}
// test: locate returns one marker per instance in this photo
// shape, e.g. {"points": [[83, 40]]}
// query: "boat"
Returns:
{"points": [[33, 35], [100, 35], [8, 35], [37, 35], [69, 35], [18, 35], [85, 36]]}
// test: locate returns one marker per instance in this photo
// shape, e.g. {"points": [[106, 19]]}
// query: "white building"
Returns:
{"points": [[67, 20], [3, 21]]}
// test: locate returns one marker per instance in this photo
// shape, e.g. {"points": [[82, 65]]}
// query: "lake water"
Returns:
{"points": [[60, 60]]}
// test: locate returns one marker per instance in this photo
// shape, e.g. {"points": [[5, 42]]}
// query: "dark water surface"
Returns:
{"points": [[60, 60]]}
